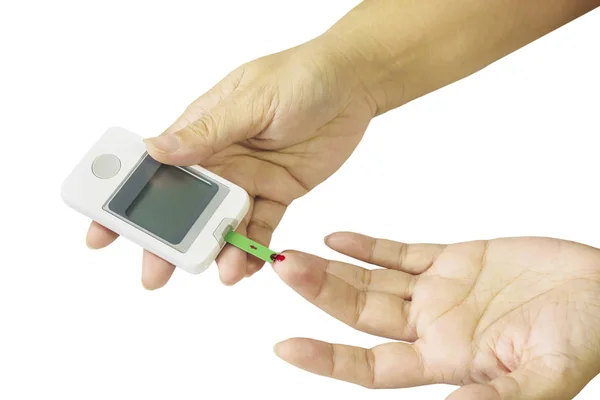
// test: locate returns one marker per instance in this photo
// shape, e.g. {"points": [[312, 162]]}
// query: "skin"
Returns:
{"points": [[514, 318], [291, 121], [505, 319], [280, 125]]}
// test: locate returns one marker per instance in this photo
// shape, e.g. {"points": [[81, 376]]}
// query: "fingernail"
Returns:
{"points": [[165, 143]]}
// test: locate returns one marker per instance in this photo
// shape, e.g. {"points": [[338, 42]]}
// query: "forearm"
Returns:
{"points": [[403, 49]]}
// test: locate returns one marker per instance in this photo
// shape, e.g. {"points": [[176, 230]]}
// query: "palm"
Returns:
{"points": [[517, 314], [485, 309]]}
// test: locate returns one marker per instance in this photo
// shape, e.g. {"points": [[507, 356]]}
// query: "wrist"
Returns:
{"points": [[377, 70], [365, 67]]}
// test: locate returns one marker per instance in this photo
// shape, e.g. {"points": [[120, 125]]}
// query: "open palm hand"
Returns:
{"points": [[511, 318]]}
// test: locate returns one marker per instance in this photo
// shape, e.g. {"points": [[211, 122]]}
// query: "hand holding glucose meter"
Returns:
{"points": [[181, 214]]}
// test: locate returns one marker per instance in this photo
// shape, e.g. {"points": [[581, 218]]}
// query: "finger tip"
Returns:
{"points": [[172, 150], [279, 348], [254, 265], [95, 243], [337, 238], [228, 283], [156, 154], [299, 270], [232, 264], [287, 349], [284, 258], [98, 236], [303, 353], [156, 272], [229, 277], [89, 244], [152, 284]]}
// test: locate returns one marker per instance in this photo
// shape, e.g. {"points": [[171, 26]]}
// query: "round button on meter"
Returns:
{"points": [[106, 166]]}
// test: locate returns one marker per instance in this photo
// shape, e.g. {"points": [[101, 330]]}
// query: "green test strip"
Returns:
{"points": [[250, 246]]}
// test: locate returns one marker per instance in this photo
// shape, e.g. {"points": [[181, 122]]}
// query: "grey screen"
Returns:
{"points": [[170, 203]]}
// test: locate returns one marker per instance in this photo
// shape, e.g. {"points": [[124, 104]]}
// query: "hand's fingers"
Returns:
{"points": [[411, 258], [254, 265], [98, 236], [392, 365], [265, 217], [237, 117], [396, 283], [233, 262], [542, 380], [155, 271], [207, 101], [364, 310], [272, 188], [475, 392]]}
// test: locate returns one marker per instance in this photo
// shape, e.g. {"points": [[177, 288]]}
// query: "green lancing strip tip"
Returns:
{"points": [[251, 247]]}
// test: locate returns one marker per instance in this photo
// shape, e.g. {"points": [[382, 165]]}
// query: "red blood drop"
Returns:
{"points": [[280, 257], [253, 247]]}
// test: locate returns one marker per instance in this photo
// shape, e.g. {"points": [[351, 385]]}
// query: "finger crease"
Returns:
{"points": [[403, 251], [372, 251], [410, 287], [366, 279], [361, 302], [370, 361], [322, 284], [332, 373], [262, 224]]}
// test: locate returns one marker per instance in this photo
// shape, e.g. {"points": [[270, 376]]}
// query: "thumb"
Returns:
{"points": [[475, 392], [208, 132], [532, 382]]}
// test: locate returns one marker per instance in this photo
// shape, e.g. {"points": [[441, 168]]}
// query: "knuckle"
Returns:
{"points": [[204, 127]]}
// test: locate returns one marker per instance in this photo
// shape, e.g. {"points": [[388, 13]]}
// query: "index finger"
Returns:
{"points": [[363, 309], [98, 236]]}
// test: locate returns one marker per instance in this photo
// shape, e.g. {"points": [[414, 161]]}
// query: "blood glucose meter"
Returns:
{"points": [[181, 214]]}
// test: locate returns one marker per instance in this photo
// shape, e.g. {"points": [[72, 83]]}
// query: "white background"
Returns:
{"points": [[510, 151]]}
